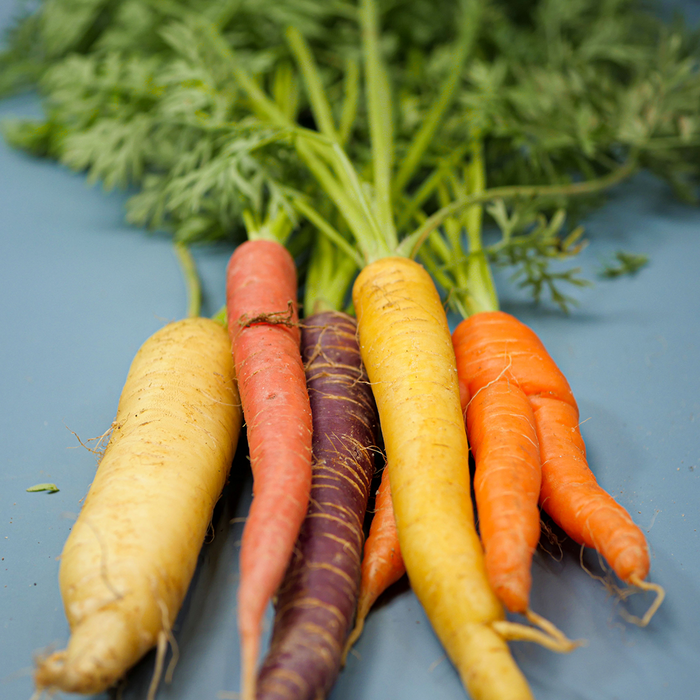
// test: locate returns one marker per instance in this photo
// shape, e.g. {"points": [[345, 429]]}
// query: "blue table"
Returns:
{"points": [[81, 291]]}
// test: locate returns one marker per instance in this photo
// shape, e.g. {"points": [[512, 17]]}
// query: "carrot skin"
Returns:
{"points": [[494, 344], [263, 325], [501, 429], [316, 600], [382, 563]]}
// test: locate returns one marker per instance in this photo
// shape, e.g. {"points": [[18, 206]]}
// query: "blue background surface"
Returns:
{"points": [[79, 293]]}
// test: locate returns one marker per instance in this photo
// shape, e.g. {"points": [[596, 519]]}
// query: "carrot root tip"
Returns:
{"points": [[568, 645], [352, 638], [645, 586], [548, 635], [162, 648]]}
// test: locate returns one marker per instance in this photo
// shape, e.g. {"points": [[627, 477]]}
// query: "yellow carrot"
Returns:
{"points": [[131, 554], [407, 350]]}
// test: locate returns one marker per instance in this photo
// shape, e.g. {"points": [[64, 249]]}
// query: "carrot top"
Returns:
{"points": [[209, 143]]}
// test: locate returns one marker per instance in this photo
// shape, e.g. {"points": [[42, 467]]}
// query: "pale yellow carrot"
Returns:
{"points": [[129, 559]]}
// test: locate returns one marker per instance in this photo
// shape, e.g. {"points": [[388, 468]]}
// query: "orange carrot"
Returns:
{"points": [[382, 563], [493, 348], [501, 362], [506, 486], [574, 500], [263, 325], [493, 344]]}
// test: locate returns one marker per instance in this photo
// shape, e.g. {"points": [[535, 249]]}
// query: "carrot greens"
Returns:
{"points": [[146, 95], [467, 135]]}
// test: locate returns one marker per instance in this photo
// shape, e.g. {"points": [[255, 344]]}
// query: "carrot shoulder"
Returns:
{"points": [[263, 325], [129, 559], [406, 346]]}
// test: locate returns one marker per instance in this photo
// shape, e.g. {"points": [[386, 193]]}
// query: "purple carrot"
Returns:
{"points": [[316, 601]]}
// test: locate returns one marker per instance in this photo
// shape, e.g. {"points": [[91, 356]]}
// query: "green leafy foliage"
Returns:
{"points": [[48, 488], [147, 94], [623, 263], [22, 62]]}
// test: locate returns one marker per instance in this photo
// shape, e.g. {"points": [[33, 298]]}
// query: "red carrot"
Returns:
{"points": [[317, 598], [263, 325]]}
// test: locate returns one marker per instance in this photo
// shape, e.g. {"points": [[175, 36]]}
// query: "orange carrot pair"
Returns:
{"points": [[507, 370]]}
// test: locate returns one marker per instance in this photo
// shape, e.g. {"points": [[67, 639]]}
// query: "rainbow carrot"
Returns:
{"points": [[316, 601], [264, 330], [382, 563], [506, 486]]}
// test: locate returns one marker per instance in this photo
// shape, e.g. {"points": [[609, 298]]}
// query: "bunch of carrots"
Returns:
{"points": [[323, 394]]}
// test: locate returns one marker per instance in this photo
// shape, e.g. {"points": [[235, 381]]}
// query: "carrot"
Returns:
{"points": [[407, 350], [316, 600], [586, 512], [129, 559], [507, 496], [507, 487], [382, 563], [492, 345], [493, 348], [265, 336]]}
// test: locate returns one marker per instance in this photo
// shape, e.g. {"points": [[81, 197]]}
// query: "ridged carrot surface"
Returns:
{"points": [[407, 350], [382, 563], [264, 328], [572, 497], [494, 344]]}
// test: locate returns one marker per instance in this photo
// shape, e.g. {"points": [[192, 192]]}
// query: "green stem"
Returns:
{"points": [[328, 279], [274, 228], [429, 185], [327, 230], [379, 109], [470, 24], [285, 92], [313, 149], [412, 244], [480, 288], [375, 234], [317, 96], [347, 196], [351, 90], [221, 317], [192, 283]]}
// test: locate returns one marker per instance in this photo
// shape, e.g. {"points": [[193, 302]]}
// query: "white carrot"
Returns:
{"points": [[129, 559]]}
